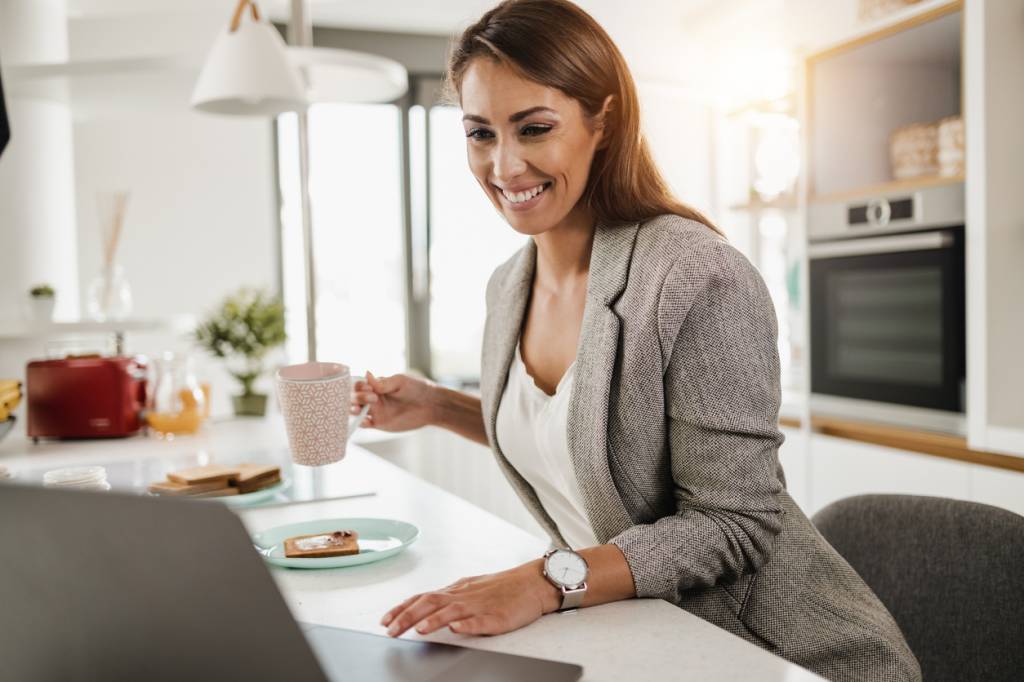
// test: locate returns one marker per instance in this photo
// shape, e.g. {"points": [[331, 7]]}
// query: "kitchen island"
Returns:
{"points": [[635, 639]]}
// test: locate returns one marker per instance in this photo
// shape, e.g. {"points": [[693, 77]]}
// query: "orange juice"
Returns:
{"points": [[186, 421]]}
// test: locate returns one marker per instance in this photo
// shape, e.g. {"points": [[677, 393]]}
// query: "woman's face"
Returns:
{"points": [[529, 146]]}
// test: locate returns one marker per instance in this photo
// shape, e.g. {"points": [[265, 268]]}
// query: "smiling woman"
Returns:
{"points": [[629, 376]]}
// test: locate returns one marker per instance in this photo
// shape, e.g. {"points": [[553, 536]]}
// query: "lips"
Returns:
{"points": [[526, 197]]}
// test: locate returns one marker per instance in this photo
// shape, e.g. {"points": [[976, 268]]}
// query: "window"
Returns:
{"points": [[468, 240], [355, 185]]}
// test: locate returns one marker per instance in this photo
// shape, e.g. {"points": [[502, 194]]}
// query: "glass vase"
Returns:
{"points": [[109, 296]]}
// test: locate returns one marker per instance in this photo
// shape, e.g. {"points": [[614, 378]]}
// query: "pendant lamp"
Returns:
{"points": [[248, 71]]}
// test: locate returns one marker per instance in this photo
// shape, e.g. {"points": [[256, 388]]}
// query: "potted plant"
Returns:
{"points": [[247, 326], [42, 299]]}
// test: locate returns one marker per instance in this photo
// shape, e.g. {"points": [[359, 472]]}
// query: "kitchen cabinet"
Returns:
{"points": [[841, 468], [952, 58], [821, 469]]}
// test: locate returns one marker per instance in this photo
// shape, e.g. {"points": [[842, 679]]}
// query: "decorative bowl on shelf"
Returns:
{"points": [[6, 426]]}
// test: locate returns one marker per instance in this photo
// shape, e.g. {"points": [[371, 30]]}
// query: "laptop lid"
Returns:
{"points": [[106, 586]]}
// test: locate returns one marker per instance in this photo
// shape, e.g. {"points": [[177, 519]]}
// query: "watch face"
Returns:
{"points": [[566, 568]]}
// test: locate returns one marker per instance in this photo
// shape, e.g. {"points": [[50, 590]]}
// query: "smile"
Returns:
{"points": [[527, 198]]}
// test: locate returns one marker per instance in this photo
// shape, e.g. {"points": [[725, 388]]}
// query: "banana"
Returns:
{"points": [[10, 397]]}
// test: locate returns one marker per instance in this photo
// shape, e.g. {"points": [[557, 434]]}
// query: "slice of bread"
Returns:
{"points": [[175, 488], [319, 545], [204, 474], [253, 477], [219, 492]]}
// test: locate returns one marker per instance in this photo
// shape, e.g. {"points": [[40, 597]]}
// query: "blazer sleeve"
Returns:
{"points": [[722, 394]]}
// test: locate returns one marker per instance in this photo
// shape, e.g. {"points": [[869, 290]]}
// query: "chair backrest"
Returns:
{"points": [[950, 572]]}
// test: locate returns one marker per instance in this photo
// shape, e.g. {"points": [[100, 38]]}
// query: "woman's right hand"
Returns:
{"points": [[397, 403]]}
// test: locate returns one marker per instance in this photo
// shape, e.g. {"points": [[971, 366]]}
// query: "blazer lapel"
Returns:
{"points": [[595, 364], [501, 334]]}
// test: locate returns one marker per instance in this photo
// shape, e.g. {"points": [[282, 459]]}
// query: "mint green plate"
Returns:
{"points": [[378, 539]]}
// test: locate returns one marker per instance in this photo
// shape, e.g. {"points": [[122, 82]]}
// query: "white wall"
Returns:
{"points": [[201, 218], [678, 129]]}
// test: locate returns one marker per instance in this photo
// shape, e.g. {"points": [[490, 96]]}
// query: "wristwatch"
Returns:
{"points": [[567, 570]]}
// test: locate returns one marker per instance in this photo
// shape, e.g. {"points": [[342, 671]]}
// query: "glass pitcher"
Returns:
{"points": [[177, 403]]}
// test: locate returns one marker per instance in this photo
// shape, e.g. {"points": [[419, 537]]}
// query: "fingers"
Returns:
{"points": [[390, 615], [421, 607], [477, 625], [442, 617], [382, 384], [363, 397]]}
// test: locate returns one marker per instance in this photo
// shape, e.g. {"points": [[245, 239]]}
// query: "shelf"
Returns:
{"points": [[20, 329], [887, 188], [859, 93]]}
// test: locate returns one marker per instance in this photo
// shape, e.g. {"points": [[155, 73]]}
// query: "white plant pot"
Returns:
{"points": [[41, 309]]}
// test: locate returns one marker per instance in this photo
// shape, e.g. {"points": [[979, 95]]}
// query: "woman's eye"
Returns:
{"points": [[479, 134], [535, 130]]}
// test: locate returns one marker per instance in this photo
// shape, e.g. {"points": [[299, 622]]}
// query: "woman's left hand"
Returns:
{"points": [[481, 605]]}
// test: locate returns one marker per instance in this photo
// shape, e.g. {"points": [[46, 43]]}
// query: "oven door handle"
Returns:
{"points": [[890, 244]]}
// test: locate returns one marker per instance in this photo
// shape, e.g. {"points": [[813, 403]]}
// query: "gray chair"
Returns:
{"points": [[950, 572]]}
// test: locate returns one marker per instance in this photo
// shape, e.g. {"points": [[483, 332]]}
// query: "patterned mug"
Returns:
{"points": [[315, 399]]}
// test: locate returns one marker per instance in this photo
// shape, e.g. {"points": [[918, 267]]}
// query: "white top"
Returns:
{"points": [[532, 432]]}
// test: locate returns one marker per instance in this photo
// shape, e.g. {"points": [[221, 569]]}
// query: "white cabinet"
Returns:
{"points": [[794, 458], [998, 487], [822, 469], [841, 468]]}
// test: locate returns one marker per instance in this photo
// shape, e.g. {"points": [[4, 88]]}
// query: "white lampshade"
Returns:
{"points": [[336, 75], [249, 73]]}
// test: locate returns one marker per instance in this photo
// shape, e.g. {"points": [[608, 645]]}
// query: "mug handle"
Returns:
{"points": [[357, 421]]}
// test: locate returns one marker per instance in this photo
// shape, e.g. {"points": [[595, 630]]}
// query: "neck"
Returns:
{"points": [[563, 252]]}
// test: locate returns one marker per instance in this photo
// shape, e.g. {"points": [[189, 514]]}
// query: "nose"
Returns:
{"points": [[507, 161]]}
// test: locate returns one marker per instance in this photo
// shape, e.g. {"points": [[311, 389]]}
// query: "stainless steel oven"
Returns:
{"points": [[887, 307]]}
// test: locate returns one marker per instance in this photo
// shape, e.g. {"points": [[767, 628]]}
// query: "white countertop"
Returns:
{"points": [[613, 642]]}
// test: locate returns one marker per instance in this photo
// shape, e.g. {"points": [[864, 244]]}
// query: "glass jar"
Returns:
{"points": [[177, 403]]}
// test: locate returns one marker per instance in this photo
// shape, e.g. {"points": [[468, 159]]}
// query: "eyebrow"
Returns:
{"points": [[514, 118]]}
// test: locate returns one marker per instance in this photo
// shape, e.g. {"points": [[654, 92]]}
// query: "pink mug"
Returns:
{"points": [[315, 399]]}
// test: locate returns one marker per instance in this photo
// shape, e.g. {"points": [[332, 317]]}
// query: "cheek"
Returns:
{"points": [[570, 163], [477, 162]]}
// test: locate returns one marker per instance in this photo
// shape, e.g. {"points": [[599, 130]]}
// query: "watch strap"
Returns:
{"points": [[573, 599]]}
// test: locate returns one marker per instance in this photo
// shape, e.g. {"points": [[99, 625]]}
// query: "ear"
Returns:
{"points": [[602, 120]]}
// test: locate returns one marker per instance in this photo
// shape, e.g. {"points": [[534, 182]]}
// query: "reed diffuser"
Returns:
{"points": [[110, 296]]}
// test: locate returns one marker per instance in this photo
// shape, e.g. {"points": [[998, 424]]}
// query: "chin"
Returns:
{"points": [[530, 227]]}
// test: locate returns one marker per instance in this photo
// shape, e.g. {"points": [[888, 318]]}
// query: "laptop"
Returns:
{"points": [[109, 586]]}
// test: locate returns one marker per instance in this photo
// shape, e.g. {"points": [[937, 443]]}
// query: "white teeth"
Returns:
{"points": [[520, 197]]}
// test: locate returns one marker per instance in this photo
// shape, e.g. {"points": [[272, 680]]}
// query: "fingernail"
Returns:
{"points": [[393, 630]]}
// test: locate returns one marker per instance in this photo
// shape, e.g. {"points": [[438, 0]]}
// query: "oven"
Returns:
{"points": [[887, 321]]}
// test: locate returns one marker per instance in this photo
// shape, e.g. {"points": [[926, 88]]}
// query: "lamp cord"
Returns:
{"points": [[236, 18]]}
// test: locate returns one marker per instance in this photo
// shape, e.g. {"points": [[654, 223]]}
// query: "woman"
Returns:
{"points": [[630, 378]]}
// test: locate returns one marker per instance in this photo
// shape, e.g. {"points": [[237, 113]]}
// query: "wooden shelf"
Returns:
{"points": [[859, 92], [892, 187], [914, 440]]}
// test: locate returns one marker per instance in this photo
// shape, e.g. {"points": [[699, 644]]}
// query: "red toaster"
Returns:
{"points": [[85, 397]]}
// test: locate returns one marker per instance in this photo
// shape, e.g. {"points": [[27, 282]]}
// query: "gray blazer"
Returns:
{"points": [[673, 435]]}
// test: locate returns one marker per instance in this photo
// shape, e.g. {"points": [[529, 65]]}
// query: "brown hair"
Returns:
{"points": [[557, 44]]}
